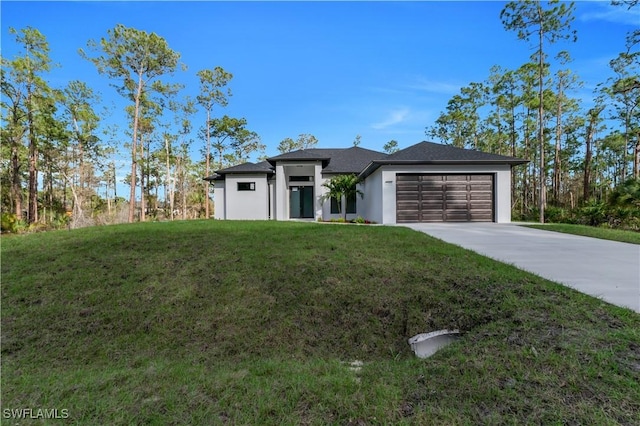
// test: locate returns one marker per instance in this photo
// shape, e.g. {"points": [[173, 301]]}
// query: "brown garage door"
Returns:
{"points": [[444, 198]]}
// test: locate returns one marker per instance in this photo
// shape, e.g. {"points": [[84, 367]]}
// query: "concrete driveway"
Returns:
{"points": [[605, 269]]}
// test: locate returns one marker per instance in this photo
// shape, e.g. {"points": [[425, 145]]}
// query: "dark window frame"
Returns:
{"points": [[352, 202], [246, 186], [300, 178]]}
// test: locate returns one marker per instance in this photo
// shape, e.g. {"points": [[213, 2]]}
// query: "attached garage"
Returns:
{"points": [[430, 182], [425, 197]]}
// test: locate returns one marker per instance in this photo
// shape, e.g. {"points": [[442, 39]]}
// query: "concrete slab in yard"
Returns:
{"points": [[605, 269]]}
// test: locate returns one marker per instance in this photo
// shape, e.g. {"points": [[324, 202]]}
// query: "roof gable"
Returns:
{"points": [[244, 168], [334, 160], [309, 154], [435, 153], [430, 151], [352, 160]]}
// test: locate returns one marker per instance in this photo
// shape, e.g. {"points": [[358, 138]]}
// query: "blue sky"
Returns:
{"points": [[383, 70]]}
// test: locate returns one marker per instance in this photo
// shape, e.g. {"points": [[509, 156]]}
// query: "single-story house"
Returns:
{"points": [[426, 182]]}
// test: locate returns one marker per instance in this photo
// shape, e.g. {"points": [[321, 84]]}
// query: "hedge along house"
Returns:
{"points": [[426, 182]]}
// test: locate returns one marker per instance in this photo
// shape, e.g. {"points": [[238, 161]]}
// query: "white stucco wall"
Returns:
{"points": [[317, 190], [382, 184], [503, 195], [272, 197], [325, 209], [246, 205], [219, 211], [280, 200], [372, 201]]}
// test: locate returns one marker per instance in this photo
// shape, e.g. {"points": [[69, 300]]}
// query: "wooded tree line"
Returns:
{"points": [[578, 152], [57, 166]]}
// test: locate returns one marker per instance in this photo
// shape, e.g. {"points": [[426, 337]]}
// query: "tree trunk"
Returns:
{"points": [[16, 182], [526, 175], [142, 182], [591, 130], [134, 147], [636, 158], [32, 213], [184, 194], [78, 188], [586, 189], [557, 165], [156, 202], [513, 149], [220, 154], [625, 152], [207, 167], [543, 187], [147, 170], [168, 186], [77, 215], [48, 184], [108, 199]]}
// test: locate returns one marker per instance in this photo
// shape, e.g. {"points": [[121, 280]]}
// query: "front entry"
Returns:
{"points": [[301, 202]]}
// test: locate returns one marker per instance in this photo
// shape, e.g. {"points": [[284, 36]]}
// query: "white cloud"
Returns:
{"points": [[394, 117], [433, 86], [604, 11], [418, 84]]}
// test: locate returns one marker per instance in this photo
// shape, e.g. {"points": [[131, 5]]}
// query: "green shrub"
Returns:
{"points": [[624, 217], [593, 213], [626, 194], [559, 215], [8, 222], [11, 223], [621, 210], [362, 220]]}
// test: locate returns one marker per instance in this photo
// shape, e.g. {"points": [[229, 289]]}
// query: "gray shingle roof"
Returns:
{"points": [[434, 153], [365, 161], [352, 160], [430, 151], [318, 154], [244, 168], [335, 160]]}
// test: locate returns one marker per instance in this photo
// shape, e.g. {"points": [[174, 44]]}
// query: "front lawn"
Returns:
{"points": [[212, 322], [592, 231]]}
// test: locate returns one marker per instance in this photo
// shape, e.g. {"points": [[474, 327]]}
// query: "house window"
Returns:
{"points": [[246, 186], [300, 178], [351, 205]]}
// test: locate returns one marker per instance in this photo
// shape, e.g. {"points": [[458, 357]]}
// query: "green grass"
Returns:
{"points": [[592, 231], [210, 322]]}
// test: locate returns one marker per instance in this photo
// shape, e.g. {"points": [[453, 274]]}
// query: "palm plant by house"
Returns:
{"points": [[340, 188]]}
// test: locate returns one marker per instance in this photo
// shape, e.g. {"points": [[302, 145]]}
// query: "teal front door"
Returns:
{"points": [[301, 202]]}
